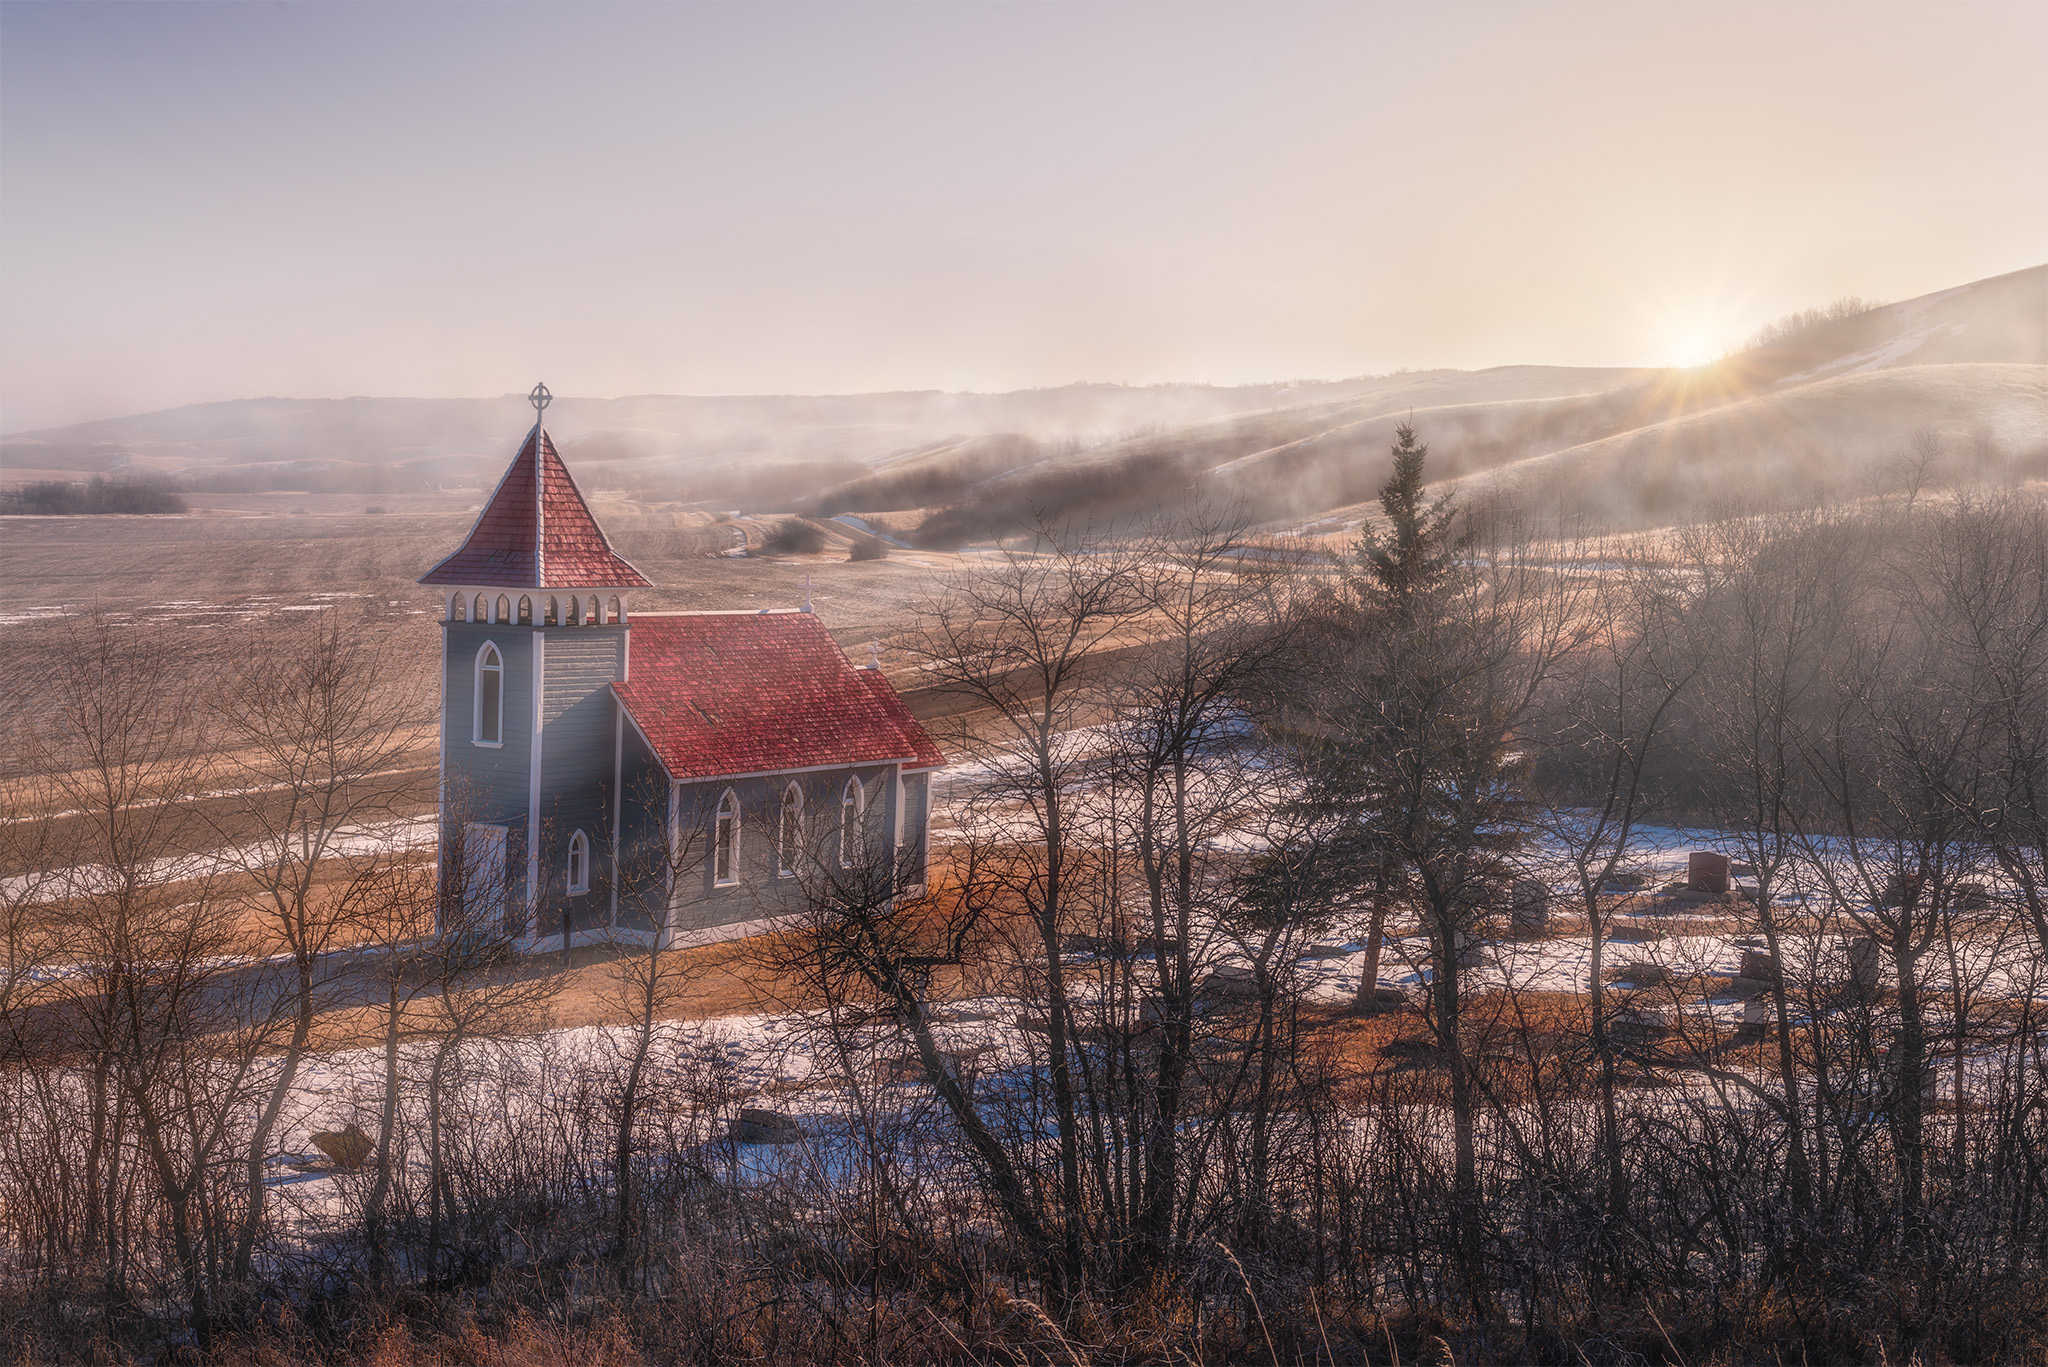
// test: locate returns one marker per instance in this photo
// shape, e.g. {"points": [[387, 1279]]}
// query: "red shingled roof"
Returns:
{"points": [[719, 693], [537, 532]]}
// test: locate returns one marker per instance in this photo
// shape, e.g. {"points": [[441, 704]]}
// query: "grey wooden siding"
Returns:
{"points": [[577, 732], [762, 890], [916, 850], [643, 819], [484, 783]]}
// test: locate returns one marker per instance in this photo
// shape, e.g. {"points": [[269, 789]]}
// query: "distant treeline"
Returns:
{"points": [[1809, 325], [100, 494], [302, 478]]}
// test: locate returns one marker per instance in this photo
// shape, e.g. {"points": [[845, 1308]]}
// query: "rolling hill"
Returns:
{"points": [[1954, 384]]}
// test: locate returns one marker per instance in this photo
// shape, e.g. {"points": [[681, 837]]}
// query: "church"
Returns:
{"points": [[608, 775]]}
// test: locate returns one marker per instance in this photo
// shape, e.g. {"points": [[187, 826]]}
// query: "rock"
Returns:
{"points": [[1387, 997], [1640, 974], [1230, 980], [755, 1126], [1107, 946], [1633, 1026], [1635, 880], [1685, 892], [959, 1063], [349, 1147]]}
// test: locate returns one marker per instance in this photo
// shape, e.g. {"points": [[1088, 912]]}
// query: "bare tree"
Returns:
{"points": [[316, 721], [1021, 646], [645, 980], [1609, 710], [150, 985]]}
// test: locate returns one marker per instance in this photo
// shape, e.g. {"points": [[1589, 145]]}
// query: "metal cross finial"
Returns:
{"points": [[539, 398]]}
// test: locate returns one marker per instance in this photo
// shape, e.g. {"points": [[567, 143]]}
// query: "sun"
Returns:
{"points": [[1691, 350]]}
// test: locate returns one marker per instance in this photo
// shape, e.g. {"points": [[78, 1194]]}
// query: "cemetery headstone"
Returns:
{"points": [[1706, 871], [1531, 907]]}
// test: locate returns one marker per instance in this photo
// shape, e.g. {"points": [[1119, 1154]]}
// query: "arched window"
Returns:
{"points": [[612, 609], [725, 842], [525, 611], [504, 609], [458, 608], [853, 806], [595, 614], [489, 725], [579, 864], [789, 840], [477, 610], [551, 619], [575, 618]]}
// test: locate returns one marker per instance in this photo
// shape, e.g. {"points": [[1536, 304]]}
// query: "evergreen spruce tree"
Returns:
{"points": [[1418, 552]]}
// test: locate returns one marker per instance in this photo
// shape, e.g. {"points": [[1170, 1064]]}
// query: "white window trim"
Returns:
{"points": [[852, 832], [728, 810], [579, 844], [476, 699], [789, 833]]}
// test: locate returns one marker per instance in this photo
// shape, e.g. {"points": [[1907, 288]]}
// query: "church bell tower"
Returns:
{"points": [[534, 630]]}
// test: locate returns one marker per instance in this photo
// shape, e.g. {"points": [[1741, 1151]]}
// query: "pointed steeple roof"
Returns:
{"points": [[537, 532]]}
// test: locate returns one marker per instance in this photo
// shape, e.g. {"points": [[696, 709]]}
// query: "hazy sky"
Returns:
{"points": [[205, 202]]}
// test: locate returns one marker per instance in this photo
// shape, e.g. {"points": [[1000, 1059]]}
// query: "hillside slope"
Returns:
{"points": [[1824, 404]]}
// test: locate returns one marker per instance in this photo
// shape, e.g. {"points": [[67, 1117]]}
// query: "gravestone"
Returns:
{"points": [[1864, 962], [1471, 954], [1706, 871], [1757, 966], [1531, 907], [1757, 1016], [1972, 897], [1901, 890]]}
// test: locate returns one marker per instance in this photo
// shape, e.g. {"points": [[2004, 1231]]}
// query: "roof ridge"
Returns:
{"points": [[725, 612], [541, 444]]}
